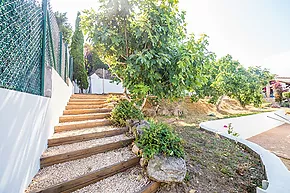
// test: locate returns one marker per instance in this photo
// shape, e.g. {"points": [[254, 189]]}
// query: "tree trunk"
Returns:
{"points": [[126, 95], [219, 103], [144, 103]]}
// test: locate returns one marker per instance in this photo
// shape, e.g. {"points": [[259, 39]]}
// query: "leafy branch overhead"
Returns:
{"points": [[146, 46]]}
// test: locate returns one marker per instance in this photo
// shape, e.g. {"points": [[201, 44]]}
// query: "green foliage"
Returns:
{"points": [[286, 95], [92, 59], [124, 111], [231, 130], [64, 26], [285, 104], [159, 138], [146, 46], [194, 98], [227, 77], [77, 50]]}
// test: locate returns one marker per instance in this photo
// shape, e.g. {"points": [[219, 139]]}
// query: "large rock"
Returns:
{"points": [[166, 169], [139, 127]]}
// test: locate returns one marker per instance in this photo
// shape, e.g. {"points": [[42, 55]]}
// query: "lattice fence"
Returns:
{"points": [[22, 24]]}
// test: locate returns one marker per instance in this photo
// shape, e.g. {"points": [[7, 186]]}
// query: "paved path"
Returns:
{"points": [[271, 134], [276, 140], [249, 126]]}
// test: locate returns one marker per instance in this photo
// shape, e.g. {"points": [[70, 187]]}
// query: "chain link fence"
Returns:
{"points": [[22, 33]]}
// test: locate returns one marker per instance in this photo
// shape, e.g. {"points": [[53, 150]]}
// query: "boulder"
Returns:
{"points": [[139, 127], [164, 112], [149, 112], [166, 169], [177, 112], [136, 150]]}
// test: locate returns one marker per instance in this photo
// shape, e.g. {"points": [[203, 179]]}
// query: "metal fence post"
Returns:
{"points": [[44, 11], [66, 62], [60, 54], [51, 40]]}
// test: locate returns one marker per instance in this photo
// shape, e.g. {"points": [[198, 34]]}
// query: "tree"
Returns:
{"points": [[146, 47], [227, 77], [64, 26], [92, 59], [77, 52]]}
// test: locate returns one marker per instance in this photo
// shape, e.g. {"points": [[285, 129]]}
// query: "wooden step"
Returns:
{"points": [[89, 96], [150, 188], [85, 137], [83, 117], [81, 125], [87, 103], [70, 107], [60, 158], [86, 111], [87, 100], [91, 178]]}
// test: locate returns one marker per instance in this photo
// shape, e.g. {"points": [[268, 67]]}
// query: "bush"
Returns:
{"points": [[124, 111], [159, 138], [286, 95], [285, 104]]}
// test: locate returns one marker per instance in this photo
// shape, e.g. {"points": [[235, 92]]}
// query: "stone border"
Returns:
{"points": [[277, 173]]}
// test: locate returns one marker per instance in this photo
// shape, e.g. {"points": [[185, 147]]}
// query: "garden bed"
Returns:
{"points": [[217, 164]]}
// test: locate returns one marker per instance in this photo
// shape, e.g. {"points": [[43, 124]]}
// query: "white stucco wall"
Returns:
{"points": [[26, 122], [109, 86]]}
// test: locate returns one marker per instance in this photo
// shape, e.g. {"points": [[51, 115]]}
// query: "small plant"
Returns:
{"points": [[159, 138], [124, 111], [113, 98], [231, 130], [286, 95]]}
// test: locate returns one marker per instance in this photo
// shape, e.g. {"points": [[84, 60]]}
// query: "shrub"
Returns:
{"points": [[124, 111], [286, 95], [159, 138]]}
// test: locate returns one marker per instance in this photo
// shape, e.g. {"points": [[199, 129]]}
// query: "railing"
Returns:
{"points": [[30, 40]]}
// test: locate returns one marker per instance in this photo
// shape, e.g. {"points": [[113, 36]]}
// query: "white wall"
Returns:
{"points": [[109, 86], [26, 122]]}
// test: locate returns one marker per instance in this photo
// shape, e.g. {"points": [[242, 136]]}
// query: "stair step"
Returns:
{"points": [[126, 181], [88, 103], [70, 107], [83, 117], [81, 125], [86, 111], [75, 136], [72, 175], [87, 100], [89, 96], [64, 153], [152, 187]]}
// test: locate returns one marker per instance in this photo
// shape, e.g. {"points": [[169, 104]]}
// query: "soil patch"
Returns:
{"points": [[216, 164]]}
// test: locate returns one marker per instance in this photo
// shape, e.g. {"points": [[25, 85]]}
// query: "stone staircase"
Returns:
{"points": [[88, 154]]}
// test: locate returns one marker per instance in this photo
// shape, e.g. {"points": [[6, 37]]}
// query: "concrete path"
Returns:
{"points": [[249, 126], [276, 140], [268, 130]]}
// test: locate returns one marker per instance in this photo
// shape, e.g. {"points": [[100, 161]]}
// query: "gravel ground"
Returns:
{"points": [[80, 122], [130, 181], [82, 131], [59, 173], [82, 145]]}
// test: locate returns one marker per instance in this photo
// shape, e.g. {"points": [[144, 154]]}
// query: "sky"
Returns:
{"points": [[255, 32]]}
